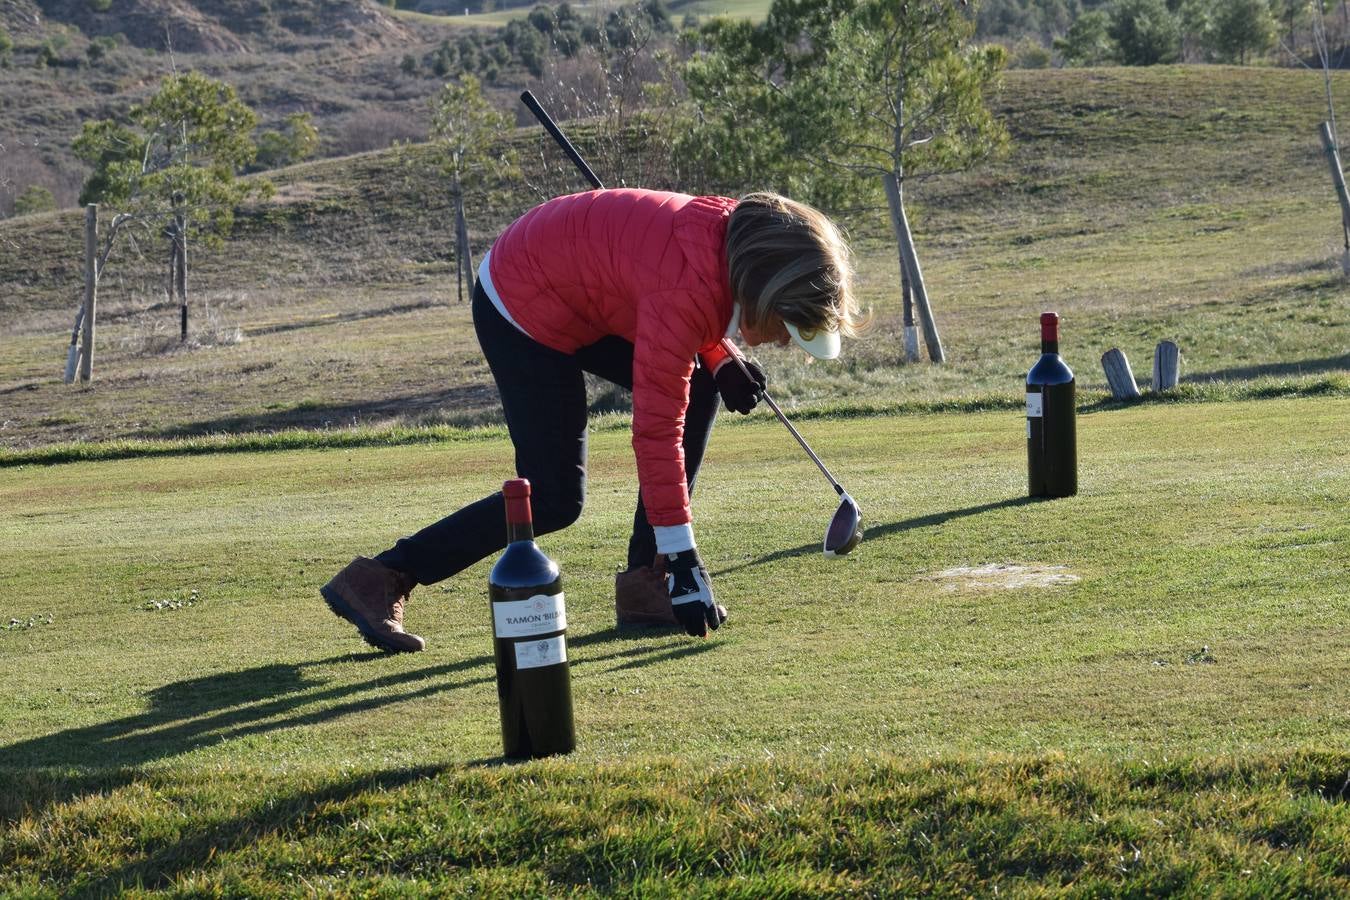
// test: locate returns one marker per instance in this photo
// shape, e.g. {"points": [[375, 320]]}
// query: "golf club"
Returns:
{"points": [[845, 529], [552, 128]]}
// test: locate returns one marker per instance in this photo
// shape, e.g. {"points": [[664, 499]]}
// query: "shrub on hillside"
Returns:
{"points": [[298, 141], [35, 198], [1145, 32], [1087, 42], [1029, 53]]}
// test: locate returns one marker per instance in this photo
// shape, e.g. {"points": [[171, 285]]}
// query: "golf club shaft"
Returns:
{"points": [[551, 127], [838, 488]]}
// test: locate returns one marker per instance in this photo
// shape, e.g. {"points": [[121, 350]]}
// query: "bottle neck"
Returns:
{"points": [[519, 531], [1049, 333], [519, 521]]}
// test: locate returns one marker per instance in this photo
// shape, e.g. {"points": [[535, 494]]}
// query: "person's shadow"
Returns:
{"points": [[871, 533], [201, 712]]}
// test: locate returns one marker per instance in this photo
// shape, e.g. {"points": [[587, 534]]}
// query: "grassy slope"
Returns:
{"points": [[278, 756], [1188, 203], [1194, 530], [350, 85]]}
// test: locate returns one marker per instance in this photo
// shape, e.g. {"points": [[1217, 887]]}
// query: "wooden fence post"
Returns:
{"points": [[73, 354], [1166, 366], [90, 289], [911, 330], [1119, 376], [909, 260], [1338, 179]]}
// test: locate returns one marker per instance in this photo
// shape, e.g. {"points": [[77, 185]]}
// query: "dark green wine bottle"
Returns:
{"points": [[529, 631], [1052, 440]]}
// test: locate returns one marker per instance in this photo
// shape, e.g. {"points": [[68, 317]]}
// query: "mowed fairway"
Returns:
{"points": [[1190, 612]]}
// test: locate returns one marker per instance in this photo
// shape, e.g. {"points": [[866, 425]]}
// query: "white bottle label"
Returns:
{"points": [[1034, 405], [539, 614], [546, 652]]}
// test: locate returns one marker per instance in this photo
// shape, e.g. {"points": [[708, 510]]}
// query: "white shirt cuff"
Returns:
{"points": [[673, 538]]}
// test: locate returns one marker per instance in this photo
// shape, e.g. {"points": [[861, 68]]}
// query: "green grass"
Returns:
{"points": [[1263, 388], [1183, 697], [184, 715], [865, 825]]}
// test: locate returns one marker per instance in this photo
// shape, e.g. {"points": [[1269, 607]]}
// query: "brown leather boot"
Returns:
{"points": [[641, 599], [371, 595]]}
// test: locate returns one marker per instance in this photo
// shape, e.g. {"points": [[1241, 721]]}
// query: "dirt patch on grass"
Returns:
{"points": [[1004, 576]]}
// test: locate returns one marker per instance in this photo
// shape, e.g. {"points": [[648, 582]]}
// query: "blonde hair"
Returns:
{"points": [[786, 258]]}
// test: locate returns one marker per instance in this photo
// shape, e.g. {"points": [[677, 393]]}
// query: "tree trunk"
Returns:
{"points": [[1345, 29], [90, 289], [911, 331], [180, 270], [909, 263], [465, 250], [462, 249]]}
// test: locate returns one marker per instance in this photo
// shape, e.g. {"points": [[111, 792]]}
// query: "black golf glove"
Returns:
{"points": [[740, 392], [691, 595]]}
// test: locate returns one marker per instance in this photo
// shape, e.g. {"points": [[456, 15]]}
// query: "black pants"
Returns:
{"points": [[544, 398]]}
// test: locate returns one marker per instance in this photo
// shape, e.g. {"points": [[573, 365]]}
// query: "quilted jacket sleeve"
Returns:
{"points": [[671, 327], [714, 356]]}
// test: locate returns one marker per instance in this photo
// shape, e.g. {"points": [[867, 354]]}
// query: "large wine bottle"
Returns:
{"points": [[1052, 442], [529, 630]]}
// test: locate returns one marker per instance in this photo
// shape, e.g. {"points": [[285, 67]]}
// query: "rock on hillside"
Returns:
{"points": [[217, 26]]}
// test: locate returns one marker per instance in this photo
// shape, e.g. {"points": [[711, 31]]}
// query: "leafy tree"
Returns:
{"points": [[1241, 27], [737, 86], [901, 97], [1012, 18], [296, 143], [35, 199], [828, 103], [1194, 17], [526, 41], [173, 166], [6, 47], [1087, 42], [465, 128], [1145, 31], [1290, 12]]}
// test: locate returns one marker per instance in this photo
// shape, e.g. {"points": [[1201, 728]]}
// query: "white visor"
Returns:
{"points": [[820, 344]]}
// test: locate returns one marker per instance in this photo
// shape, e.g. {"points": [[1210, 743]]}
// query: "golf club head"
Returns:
{"points": [[845, 529]]}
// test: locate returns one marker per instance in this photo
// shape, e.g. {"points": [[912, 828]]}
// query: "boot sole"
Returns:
{"points": [[343, 611]]}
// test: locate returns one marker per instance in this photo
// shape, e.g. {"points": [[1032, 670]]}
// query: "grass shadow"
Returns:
{"points": [[875, 531], [1297, 367], [202, 712], [340, 318], [332, 415]]}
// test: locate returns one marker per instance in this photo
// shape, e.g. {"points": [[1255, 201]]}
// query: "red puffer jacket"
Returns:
{"points": [[647, 266]]}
